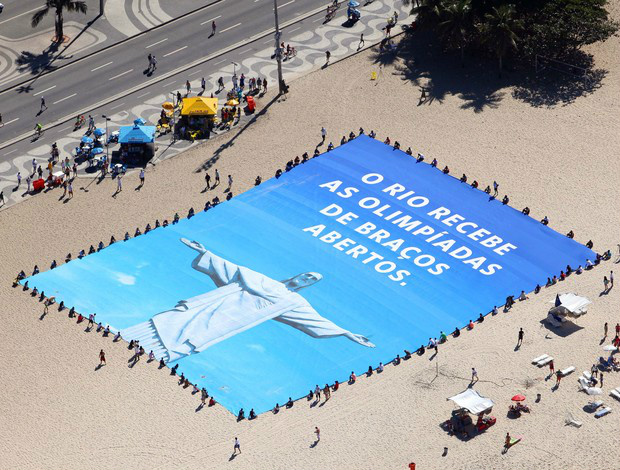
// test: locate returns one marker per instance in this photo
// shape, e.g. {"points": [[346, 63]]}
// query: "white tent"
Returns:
{"points": [[473, 402], [567, 305]]}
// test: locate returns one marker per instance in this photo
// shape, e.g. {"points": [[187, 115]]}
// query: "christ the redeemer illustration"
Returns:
{"points": [[243, 299]]}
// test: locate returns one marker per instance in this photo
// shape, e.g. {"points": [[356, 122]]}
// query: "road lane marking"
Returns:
{"points": [[294, 29], [318, 19], [209, 21], [174, 52], [43, 91], [9, 153], [169, 84], [230, 27], [12, 120], [155, 43], [270, 41], [101, 66], [195, 73], [120, 74], [284, 4], [21, 14], [143, 94], [65, 98], [60, 131], [117, 106], [246, 51], [220, 61]]}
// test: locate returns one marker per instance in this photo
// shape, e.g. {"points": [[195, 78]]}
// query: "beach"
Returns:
{"points": [[559, 160]]}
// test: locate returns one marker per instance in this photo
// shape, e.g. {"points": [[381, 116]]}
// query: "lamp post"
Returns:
{"points": [[172, 121], [107, 146], [278, 35]]}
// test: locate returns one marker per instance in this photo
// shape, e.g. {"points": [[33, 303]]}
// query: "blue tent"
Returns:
{"points": [[136, 134]]}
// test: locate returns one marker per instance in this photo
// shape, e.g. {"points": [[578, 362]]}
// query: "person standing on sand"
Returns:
{"points": [[317, 431], [495, 188], [237, 447], [520, 339], [102, 361], [551, 368], [474, 375], [217, 177], [605, 327], [558, 378], [611, 279], [323, 135]]}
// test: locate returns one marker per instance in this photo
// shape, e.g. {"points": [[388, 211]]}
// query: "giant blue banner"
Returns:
{"points": [[339, 264]]}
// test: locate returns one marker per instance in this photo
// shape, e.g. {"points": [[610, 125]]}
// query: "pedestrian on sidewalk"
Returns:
{"points": [[220, 84], [28, 181], [234, 80], [43, 105], [2, 197], [188, 87], [327, 57], [203, 84], [264, 85], [19, 181], [34, 165], [361, 43], [102, 358], [91, 123]]}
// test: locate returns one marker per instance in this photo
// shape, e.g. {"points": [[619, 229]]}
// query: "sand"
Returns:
{"points": [[561, 161]]}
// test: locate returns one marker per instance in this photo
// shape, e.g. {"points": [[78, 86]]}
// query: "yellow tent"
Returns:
{"points": [[199, 106]]}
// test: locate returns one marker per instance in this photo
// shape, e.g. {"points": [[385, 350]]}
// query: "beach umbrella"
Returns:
{"points": [[167, 105], [99, 132], [354, 4], [96, 151], [232, 102], [87, 140], [139, 122], [610, 347], [518, 397]]}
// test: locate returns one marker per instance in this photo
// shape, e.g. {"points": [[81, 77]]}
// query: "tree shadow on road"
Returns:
{"points": [[37, 64], [420, 60]]}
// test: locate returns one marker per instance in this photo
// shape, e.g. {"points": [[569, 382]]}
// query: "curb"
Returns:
{"points": [[122, 41]]}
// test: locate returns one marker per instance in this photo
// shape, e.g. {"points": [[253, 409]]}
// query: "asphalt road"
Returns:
{"points": [[87, 82]]}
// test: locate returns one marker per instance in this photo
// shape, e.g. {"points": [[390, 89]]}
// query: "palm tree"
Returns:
{"points": [[500, 31], [427, 11], [58, 5], [455, 24]]}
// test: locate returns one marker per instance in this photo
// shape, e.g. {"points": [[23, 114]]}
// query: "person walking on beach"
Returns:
{"points": [[91, 320], [323, 135], [119, 183], [237, 447], [551, 369], [605, 327], [317, 432], [611, 280], [217, 177], [558, 379], [474, 375], [208, 180], [230, 182], [141, 177], [520, 339], [70, 189], [102, 358]]}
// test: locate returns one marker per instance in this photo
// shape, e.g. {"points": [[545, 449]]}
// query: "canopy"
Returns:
{"points": [[353, 3], [570, 305], [232, 102], [167, 105], [96, 151], [136, 134], [472, 401], [99, 132], [199, 106], [518, 397], [139, 122], [87, 140]]}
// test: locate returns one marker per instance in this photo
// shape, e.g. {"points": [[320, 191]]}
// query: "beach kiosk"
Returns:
{"points": [[197, 117], [137, 143]]}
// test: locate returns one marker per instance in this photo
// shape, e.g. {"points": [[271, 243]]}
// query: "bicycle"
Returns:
{"points": [[38, 130]]}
